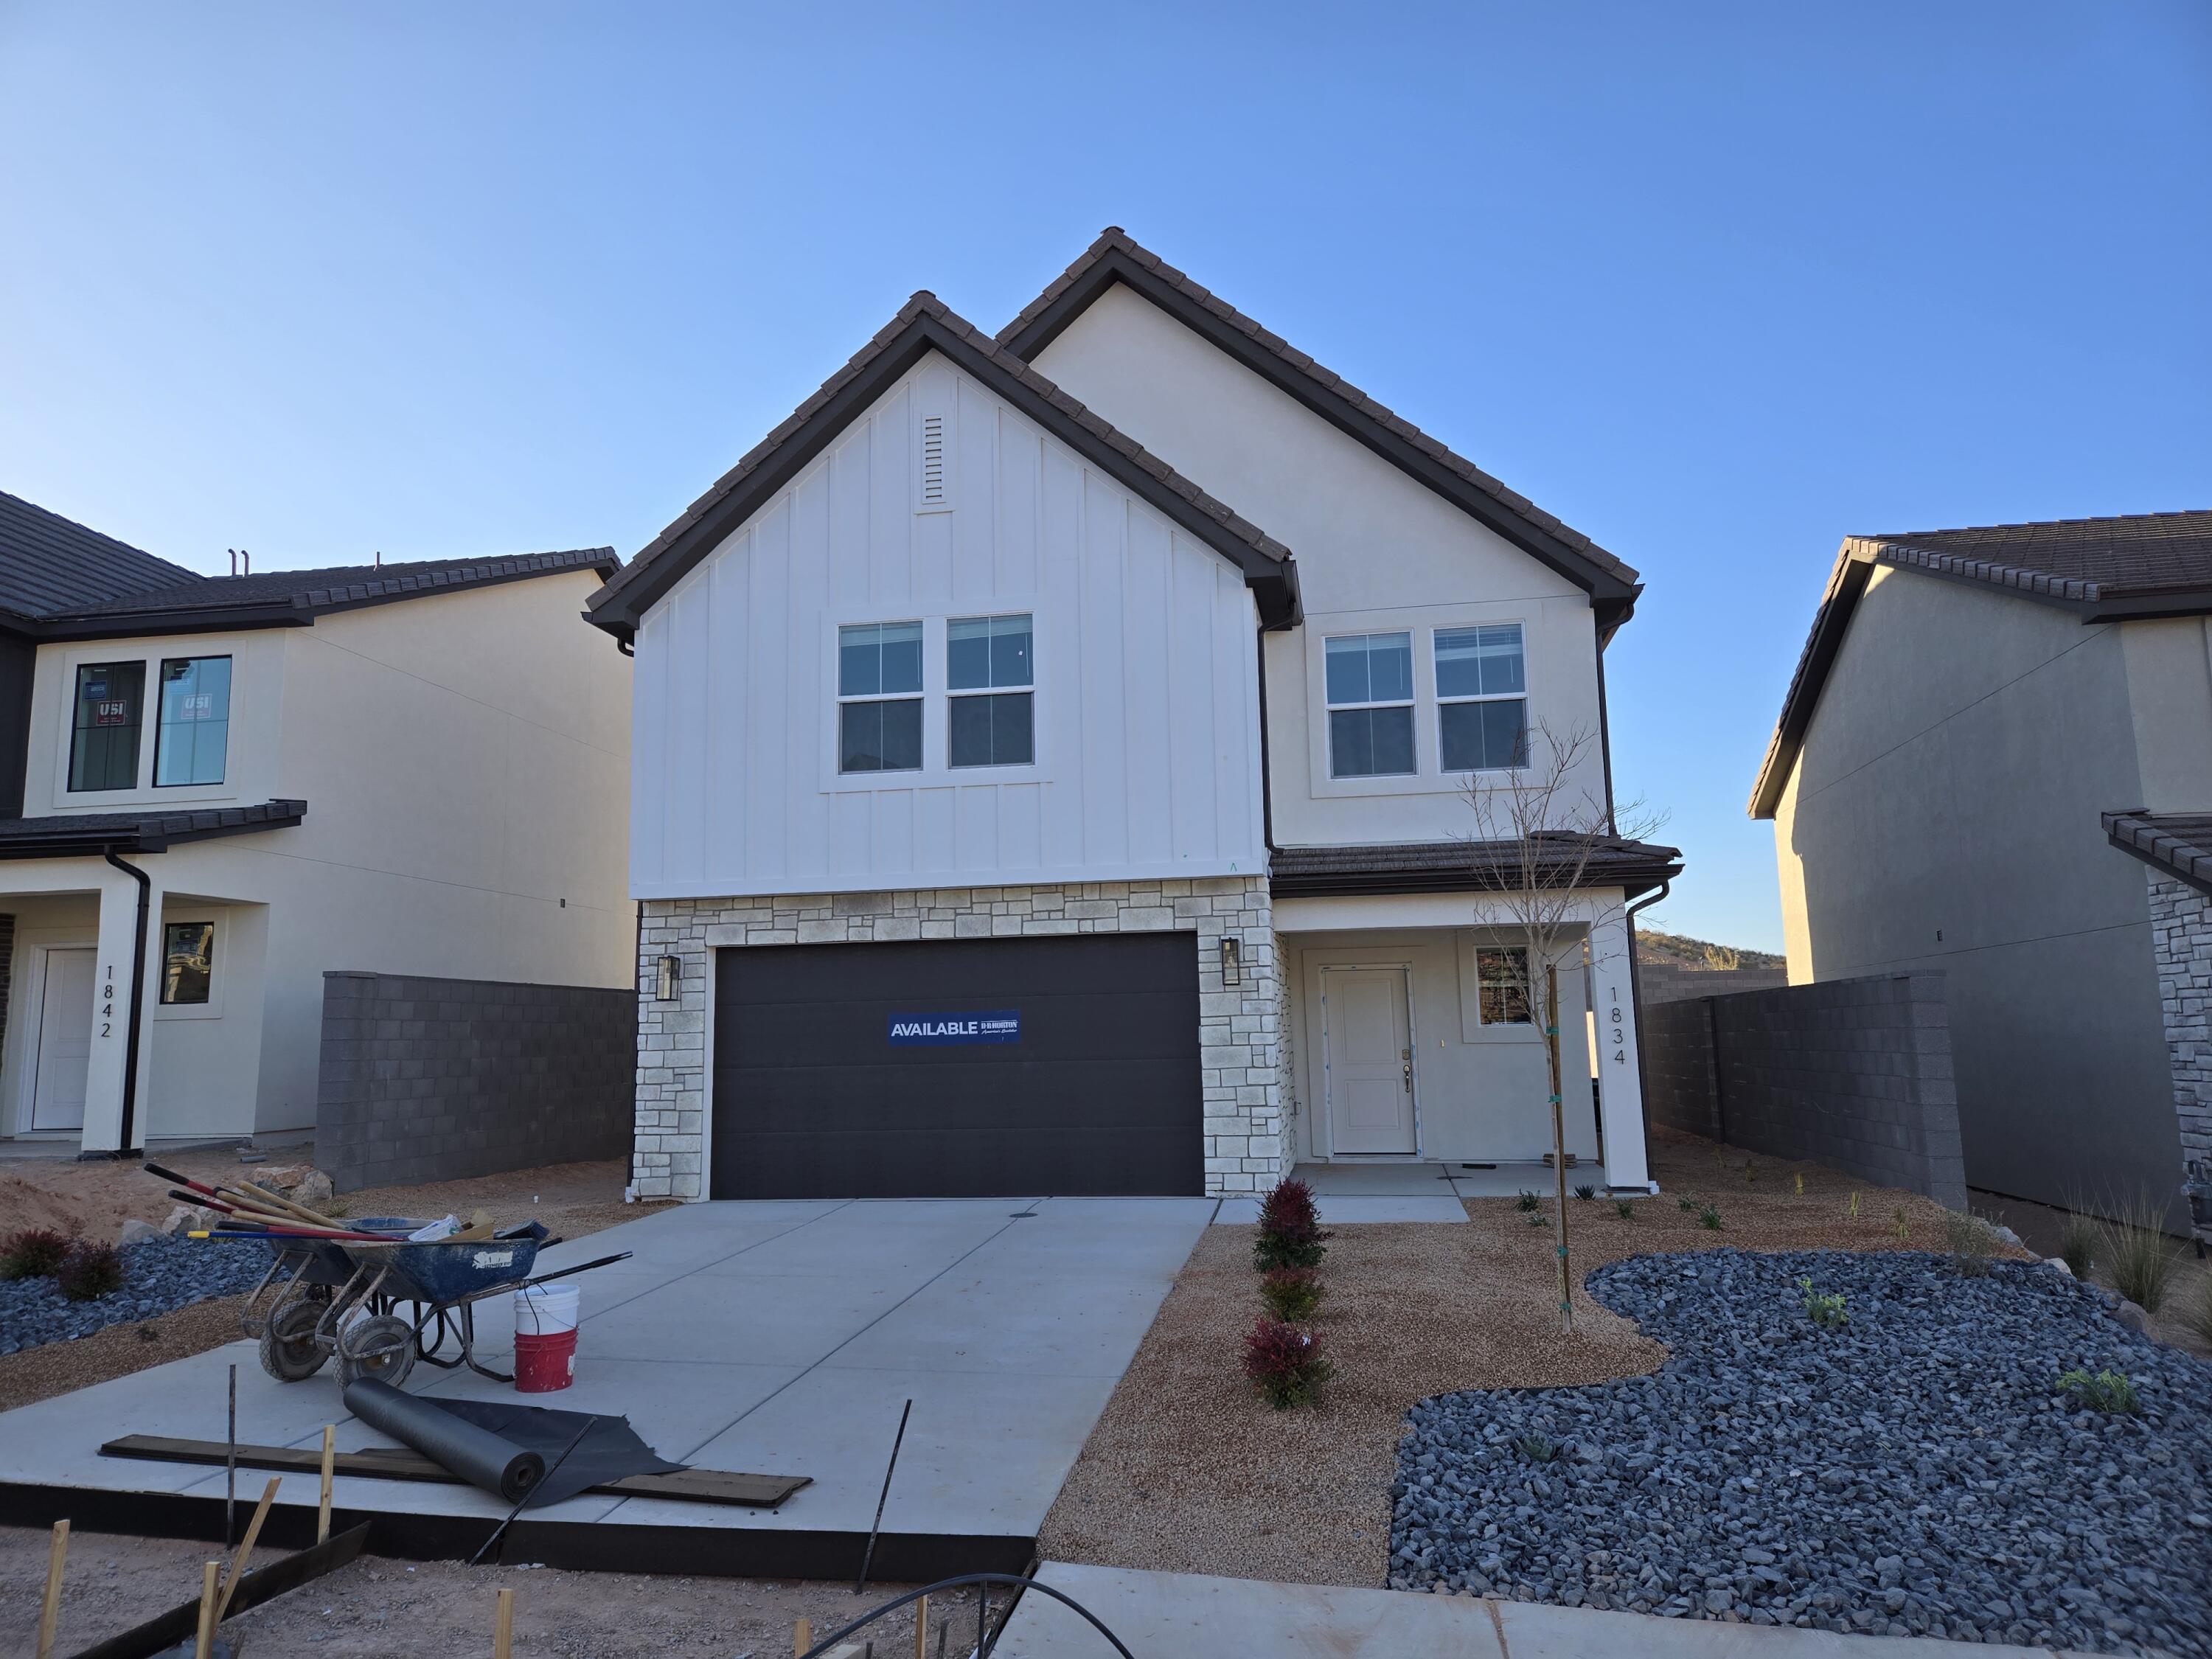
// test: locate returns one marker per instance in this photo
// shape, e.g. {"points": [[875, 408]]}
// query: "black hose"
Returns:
{"points": [[982, 1579]]}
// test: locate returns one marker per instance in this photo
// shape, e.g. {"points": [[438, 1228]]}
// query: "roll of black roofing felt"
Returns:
{"points": [[476, 1454]]}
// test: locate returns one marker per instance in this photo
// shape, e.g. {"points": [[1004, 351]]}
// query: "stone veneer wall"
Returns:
{"points": [[1240, 1028], [2181, 936]]}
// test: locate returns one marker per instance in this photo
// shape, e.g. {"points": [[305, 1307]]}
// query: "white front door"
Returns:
{"points": [[64, 1041], [1368, 1046]]}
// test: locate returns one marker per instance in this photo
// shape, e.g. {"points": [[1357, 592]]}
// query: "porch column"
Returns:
{"points": [[111, 1013], [1620, 1078]]}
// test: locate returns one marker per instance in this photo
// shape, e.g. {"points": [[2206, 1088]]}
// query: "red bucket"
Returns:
{"points": [[544, 1338]]}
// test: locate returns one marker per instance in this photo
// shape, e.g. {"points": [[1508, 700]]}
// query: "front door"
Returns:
{"points": [[64, 1041], [1369, 1058]]}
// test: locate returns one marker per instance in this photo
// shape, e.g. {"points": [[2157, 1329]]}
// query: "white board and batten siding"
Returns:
{"points": [[1147, 760]]}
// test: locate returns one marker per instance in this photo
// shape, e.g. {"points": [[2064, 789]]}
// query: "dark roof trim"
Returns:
{"points": [[1116, 257], [88, 835], [1463, 867], [201, 609], [924, 324], [2174, 844]]}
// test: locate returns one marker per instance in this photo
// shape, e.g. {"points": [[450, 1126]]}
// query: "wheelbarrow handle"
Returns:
{"points": [[547, 1279]]}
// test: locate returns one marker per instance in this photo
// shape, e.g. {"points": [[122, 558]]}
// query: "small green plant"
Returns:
{"points": [[1536, 1219], [1586, 1191], [1285, 1364], [2107, 1391], [1904, 1225], [1971, 1241], [1291, 1293], [1710, 1217], [89, 1272], [34, 1252], [1824, 1308], [1537, 1448], [1289, 1228], [1623, 1209], [1801, 1183], [2136, 1256], [1750, 1172], [2077, 1243], [1685, 1202], [1852, 1208], [1527, 1201]]}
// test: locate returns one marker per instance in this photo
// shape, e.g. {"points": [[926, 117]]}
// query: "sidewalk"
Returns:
{"points": [[1163, 1615]]}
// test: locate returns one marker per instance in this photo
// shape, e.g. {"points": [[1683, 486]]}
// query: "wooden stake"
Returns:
{"points": [[204, 1647], [50, 1613], [1558, 1141], [329, 1456], [802, 1637], [245, 1549], [502, 1630], [921, 1629]]}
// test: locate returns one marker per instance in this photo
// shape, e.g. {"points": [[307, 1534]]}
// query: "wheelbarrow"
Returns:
{"points": [[344, 1300]]}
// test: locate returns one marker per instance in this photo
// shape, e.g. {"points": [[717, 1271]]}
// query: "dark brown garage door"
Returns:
{"points": [[958, 1068]]}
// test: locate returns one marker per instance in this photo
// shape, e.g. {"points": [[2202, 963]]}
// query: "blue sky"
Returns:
{"points": [[1717, 284]]}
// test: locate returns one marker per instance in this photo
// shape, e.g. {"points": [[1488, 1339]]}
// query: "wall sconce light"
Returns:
{"points": [[671, 970], [1232, 963]]}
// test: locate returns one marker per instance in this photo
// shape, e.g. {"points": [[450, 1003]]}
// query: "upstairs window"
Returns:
{"points": [[988, 724], [1370, 679], [879, 698], [1501, 974], [194, 734], [109, 710], [1482, 698]]}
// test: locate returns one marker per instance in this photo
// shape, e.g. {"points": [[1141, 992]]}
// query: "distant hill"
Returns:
{"points": [[1654, 948]]}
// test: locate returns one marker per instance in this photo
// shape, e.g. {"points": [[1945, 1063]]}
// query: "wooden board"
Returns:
{"points": [[180, 1623], [759, 1491]]}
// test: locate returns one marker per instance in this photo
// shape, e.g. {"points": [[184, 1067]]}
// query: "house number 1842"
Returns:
{"points": [[107, 997]]}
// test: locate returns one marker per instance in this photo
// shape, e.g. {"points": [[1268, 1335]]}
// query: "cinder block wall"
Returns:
{"points": [[1663, 982], [1855, 1073], [436, 1079]]}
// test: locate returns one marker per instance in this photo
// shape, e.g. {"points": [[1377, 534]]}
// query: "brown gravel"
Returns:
{"points": [[374, 1608], [571, 1198], [1188, 1472]]}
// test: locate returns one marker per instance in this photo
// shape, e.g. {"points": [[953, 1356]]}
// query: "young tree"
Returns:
{"points": [[1537, 831]]}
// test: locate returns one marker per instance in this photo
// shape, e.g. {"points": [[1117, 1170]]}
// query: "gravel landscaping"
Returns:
{"points": [[1914, 1470], [159, 1276]]}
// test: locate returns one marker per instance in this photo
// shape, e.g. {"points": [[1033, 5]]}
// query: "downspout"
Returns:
{"points": [[1636, 991], [128, 1144], [1267, 777]]}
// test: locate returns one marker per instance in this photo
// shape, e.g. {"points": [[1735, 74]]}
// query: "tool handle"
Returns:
{"points": [[547, 1279]]}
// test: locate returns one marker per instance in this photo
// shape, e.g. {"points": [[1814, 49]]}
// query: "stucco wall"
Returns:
{"points": [[1239, 1026], [1943, 816]]}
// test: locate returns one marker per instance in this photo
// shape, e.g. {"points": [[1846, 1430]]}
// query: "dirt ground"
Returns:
{"points": [[1188, 1472], [376, 1609], [95, 1199]]}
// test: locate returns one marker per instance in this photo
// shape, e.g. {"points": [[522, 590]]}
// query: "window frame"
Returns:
{"points": [[1456, 699], [217, 917], [935, 772], [246, 759], [72, 680], [918, 695], [1507, 988], [956, 694], [1410, 702], [161, 666]]}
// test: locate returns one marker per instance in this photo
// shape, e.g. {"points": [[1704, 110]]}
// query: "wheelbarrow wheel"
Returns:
{"points": [[289, 1351], [382, 1346]]}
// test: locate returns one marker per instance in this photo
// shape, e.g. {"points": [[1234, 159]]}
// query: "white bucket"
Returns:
{"points": [[545, 1309]]}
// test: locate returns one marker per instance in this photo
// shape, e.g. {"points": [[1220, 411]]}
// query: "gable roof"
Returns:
{"points": [[61, 581], [2141, 565], [1116, 257], [923, 324]]}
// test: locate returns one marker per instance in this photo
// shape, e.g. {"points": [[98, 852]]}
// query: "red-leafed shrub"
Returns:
{"points": [[1286, 1363], [1291, 1293], [1289, 1228], [89, 1272], [34, 1252]]}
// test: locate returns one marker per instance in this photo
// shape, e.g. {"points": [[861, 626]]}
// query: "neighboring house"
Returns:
{"points": [[1979, 718], [218, 787], [1049, 770]]}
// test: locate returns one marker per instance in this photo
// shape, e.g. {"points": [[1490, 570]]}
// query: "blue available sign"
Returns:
{"points": [[998, 1026]]}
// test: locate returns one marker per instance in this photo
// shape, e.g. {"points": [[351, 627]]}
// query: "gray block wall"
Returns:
{"points": [[1663, 982], [1855, 1073], [438, 1079]]}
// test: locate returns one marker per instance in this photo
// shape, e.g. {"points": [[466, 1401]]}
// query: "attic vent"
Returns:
{"points": [[932, 458], [932, 461]]}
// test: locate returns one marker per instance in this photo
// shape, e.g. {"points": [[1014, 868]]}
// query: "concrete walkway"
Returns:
{"points": [[1167, 1615], [1349, 1193]]}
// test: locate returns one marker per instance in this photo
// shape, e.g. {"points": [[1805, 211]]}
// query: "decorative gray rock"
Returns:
{"points": [[134, 1230]]}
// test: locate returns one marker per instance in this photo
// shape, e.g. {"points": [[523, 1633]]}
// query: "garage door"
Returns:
{"points": [[958, 1068]]}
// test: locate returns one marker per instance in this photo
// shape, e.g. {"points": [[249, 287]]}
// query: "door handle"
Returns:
{"points": [[1408, 1069]]}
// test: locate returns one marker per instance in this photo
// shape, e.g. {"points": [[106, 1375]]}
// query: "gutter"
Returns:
{"points": [[1636, 990], [127, 1140]]}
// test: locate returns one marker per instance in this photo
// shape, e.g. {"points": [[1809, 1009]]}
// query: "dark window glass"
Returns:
{"points": [[1503, 974], [1479, 662], [110, 709], [187, 961], [879, 736], [878, 657], [982, 652], [1371, 743], [194, 734], [1370, 667], [1484, 736], [991, 730]]}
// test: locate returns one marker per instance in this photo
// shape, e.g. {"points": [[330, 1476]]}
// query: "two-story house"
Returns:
{"points": [[1050, 774], [218, 787]]}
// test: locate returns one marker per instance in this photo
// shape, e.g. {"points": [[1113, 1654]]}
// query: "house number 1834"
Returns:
{"points": [[1613, 1035]]}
